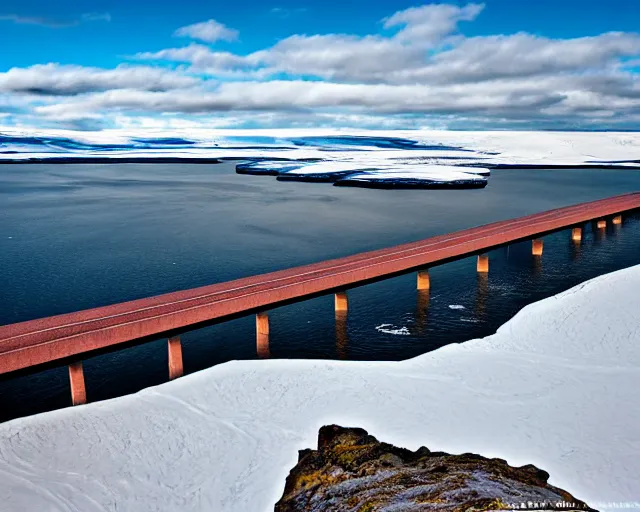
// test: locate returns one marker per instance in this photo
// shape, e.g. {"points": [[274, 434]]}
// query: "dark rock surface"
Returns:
{"points": [[352, 471]]}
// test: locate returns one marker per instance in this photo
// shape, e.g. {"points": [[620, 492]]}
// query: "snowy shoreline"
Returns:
{"points": [[372, 159], [556, 386]]}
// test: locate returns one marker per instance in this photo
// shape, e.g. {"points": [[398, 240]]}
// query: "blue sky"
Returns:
{"points": [[498, 64]]}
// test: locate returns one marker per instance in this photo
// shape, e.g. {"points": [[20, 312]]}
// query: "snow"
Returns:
{"points": [[556, 387], [392, 329], [339, 153], [492, 147], [426, 174]]}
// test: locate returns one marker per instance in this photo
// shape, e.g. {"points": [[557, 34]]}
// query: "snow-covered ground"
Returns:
{"points": [[557, 386], [337, 153]]}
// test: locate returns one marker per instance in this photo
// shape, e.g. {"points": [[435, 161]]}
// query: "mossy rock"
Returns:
{"points": [[352, 471]]}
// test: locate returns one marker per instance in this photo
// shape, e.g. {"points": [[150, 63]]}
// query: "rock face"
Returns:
{"points": [[352, 471]]}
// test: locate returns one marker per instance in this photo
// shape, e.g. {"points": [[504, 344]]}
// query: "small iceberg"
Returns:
{"points": [[270, 168], [428, 176], [392, 329], [324, 172]]}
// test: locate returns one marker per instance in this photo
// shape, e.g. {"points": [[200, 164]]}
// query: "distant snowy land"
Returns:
{"points": [[431, 159], [556, 387]]}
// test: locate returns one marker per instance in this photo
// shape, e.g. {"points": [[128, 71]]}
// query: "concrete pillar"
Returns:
{"points": [[576, 234], [617, 220], [483, 263], [175, 358], [341, 301], [262, 335], [602, 224], [424, 282], [76, 379], [536, 247]]}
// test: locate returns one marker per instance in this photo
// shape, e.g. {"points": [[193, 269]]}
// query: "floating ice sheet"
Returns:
{"points": [[334, 156]]}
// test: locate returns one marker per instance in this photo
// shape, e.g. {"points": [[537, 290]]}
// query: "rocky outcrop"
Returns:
{"points": [[352, 471]]}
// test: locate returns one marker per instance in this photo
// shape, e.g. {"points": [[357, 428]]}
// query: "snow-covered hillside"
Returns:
{"points": [[557, 387]]}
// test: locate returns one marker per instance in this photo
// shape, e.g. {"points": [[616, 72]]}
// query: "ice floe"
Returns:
{"points": [[392, 329], [428, 176], [421, 158]]}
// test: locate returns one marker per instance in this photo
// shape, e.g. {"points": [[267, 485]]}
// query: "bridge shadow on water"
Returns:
{"points": [[387, 320]]}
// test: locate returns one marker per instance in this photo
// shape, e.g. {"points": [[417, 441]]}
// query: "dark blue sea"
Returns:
{"points": [[79, 236]]}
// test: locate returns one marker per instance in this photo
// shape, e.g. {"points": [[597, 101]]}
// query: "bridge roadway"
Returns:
{"points": [[67, 337]]}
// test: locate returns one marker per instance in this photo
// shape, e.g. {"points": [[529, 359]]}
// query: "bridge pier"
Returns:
{"points": [[341, 301], [175, 358], [262, 335], [576, 234], [536, 247], [76, 380], [424, 282], [483, 264]]}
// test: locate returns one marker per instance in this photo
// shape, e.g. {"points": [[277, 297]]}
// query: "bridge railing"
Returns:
{"points": [[68, 338]]}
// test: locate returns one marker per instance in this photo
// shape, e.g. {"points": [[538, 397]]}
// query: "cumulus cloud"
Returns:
{"points": [[55, 79], [290, 95], [430, 23], [416, 53], [420, 67], [208, 31], [202, 58]]}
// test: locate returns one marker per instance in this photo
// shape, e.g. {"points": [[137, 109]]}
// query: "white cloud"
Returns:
{"points": [[55, 79], [202, 58], [421, 68], [208, 31], [430, 23]]}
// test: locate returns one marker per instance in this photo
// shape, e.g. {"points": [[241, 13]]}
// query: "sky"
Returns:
{"points": [[501, 64]]}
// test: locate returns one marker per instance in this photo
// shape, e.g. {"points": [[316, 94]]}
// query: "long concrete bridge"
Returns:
{"points": [[67, 339]]}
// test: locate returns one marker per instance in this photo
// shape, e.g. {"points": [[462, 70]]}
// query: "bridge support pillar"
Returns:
{"points": [[341, 301], [617, 220], [483, 263], [576, 234], [602, 224], [536, 247], [175, 358], [262, 335], [76, 379], [424, 282]]}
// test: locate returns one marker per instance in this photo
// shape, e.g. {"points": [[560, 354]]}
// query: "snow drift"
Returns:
{"points": [[556, 387]]}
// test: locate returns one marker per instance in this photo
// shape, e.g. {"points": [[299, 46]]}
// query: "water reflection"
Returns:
{"points": [[342, 335], [536, 265], [422, 310], [481, 295], [575, 249]]}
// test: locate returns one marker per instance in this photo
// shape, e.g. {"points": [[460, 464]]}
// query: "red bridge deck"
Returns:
{"points": [[36, 342]]}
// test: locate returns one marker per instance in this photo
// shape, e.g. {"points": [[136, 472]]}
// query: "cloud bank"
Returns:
{"points": [[420, 70]]}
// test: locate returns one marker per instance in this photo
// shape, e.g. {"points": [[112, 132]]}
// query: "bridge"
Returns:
{"points": [[68, 339]]}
